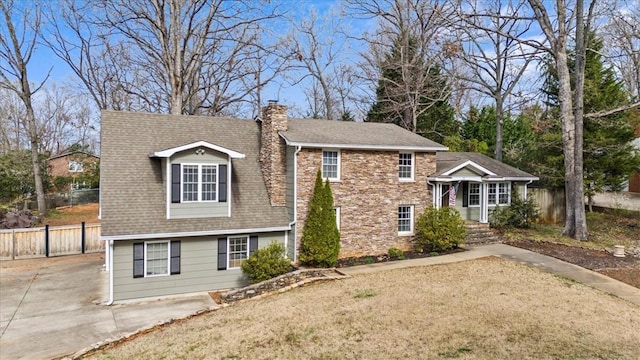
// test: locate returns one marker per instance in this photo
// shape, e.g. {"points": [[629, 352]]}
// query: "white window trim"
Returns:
{"points": [[411, 220], [229, 249], [337, 178], [497, 203], [146, 258], [337, 212], [76, 166], [199, 165], [479, 195], [413, 167]]}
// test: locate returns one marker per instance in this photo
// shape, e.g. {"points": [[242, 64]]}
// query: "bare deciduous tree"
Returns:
{"points": [[419, 29], [496, 60], [624, 44], [18, 34], [162, 56]]}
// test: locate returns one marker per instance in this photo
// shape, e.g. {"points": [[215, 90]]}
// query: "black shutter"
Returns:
{"points": [[222, 253], [465, 194], [175, 257], [222, 183], [175, 183], [253, 244], [138, 260]]}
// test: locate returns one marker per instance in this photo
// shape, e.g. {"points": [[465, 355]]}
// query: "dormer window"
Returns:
{"points": [[199, 182]]}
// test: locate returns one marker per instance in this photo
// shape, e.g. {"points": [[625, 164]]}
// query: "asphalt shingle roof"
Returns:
{"points": [[133, 197], [446, 161], [349, 134]]}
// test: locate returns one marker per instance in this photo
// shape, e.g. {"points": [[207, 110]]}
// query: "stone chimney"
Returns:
{"points": [[273, 151]]}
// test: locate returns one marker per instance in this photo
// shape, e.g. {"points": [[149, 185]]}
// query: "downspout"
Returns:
{"points": [[295, 199], [110, 272], [526, 187]]}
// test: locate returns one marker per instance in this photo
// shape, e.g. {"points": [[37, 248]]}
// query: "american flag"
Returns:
{"points": [[452, 195]]}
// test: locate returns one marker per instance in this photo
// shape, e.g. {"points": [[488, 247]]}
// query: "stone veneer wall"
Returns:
{"points": [[368, 194], [272, 152]]}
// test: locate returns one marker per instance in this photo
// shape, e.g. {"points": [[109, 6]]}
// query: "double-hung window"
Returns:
{"points": [[234, 250], [405, 166], [156, 258], [405, 219], [238, 251], [499, 194], [199, 182], [331, 164], [474, 194]]}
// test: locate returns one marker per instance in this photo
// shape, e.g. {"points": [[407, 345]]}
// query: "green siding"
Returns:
{"points": [[198, 270], [200, 209]]}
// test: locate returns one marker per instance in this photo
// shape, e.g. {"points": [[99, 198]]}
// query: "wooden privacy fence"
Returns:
{"points": [[551, 204], [50, 241]]}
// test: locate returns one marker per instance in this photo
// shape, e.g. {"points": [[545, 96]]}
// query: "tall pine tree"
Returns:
{"points": [[609, 157], [412, 93]]}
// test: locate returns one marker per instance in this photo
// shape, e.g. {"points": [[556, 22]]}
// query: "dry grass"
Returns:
{"points": [[487, 308], [605, 230], [73, 215]]}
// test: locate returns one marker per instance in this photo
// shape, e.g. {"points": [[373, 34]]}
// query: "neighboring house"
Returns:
{"points": [[185, 199], [71, 163]]}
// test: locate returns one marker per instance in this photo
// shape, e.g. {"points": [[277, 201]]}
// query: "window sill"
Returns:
{"points": [[405, 234], [155, 276], [406, 180]]}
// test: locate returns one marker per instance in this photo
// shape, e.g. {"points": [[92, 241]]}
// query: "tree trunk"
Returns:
{"points": [[580, 216], [499, 125], [568, 136], [35, 161]]}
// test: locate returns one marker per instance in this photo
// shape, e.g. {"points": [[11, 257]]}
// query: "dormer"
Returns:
{"points": [[197, 178]]}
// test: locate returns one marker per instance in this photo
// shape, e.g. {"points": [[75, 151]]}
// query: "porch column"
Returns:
{"points": [[437, 195], [484, 203]]}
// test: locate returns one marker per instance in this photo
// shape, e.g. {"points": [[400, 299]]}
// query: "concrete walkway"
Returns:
{"points": [[542, 262]]}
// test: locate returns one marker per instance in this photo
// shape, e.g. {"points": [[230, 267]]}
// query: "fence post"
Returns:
{"points": [[13, 245], [83, 237], [46, 240]]}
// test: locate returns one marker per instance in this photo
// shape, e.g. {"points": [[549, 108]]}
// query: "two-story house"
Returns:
{"points": [[186, 199]]}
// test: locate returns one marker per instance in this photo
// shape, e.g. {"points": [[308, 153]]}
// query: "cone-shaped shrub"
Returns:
{"points": [[320, 244]]}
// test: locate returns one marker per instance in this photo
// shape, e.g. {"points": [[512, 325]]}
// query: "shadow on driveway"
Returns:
{"points": [[52, 307]]}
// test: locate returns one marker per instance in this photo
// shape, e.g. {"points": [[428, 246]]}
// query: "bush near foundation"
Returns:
{"points": [[266, 263], [520, 214], [439, 229]]}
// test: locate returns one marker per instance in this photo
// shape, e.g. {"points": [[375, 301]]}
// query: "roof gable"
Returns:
{"points": [[448, 163], [171, 151], [472, 166]]}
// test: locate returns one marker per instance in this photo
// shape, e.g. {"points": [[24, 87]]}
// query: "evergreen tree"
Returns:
{"points": [[413, 94], [320, 243], [609, 157]]}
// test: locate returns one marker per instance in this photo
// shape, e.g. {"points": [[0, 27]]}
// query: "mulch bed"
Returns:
{"points": [[371, 259], [626, 269]]}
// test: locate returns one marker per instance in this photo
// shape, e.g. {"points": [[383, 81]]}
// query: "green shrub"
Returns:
{"points": [[320, 242], [395, 253], [266, 263], [520, 214], [439, 229]]}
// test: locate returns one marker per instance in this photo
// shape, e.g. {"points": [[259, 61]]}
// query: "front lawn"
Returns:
{"points": [[486, 308]]}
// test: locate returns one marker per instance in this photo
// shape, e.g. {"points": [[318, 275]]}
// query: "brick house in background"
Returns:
{"points": [[186, 199], [70, 163]]}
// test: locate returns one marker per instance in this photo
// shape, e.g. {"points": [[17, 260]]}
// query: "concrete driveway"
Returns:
{"points": [[54, 307]]}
